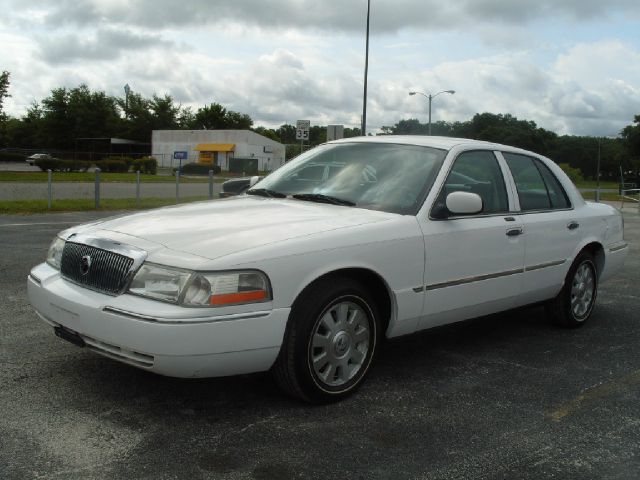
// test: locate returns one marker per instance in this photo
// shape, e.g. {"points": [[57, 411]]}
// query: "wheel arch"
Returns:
{"points": [[371, 280], [596, 250]]}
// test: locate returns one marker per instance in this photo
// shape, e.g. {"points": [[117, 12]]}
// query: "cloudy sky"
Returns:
{"points": [[572, 66]]}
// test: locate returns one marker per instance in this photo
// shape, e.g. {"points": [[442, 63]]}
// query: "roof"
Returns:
{"points": [[215, 147], [445, 143], [113, 140]]}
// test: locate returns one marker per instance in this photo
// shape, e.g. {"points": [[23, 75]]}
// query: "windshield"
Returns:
{"points": [[378, 176]]}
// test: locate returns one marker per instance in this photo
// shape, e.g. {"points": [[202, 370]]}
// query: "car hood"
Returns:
{"points": [[214, 229]]}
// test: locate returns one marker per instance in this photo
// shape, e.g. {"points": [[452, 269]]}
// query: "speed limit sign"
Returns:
{"points": [[302, 129]]}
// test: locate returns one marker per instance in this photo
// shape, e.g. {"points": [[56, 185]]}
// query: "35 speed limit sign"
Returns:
{"points": [[302, 129]]}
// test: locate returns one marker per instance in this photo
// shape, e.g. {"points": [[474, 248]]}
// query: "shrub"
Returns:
{"points": [[575, 174], [198, 169], [113, 166], [12, 157], [128, 161], [145, 165], [58, 165]]}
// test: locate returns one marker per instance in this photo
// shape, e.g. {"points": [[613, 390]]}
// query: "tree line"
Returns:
{"points": [[579, 152], [67, 114]]}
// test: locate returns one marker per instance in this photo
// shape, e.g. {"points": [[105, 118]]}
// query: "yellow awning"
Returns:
{"points": [[215, 147]]}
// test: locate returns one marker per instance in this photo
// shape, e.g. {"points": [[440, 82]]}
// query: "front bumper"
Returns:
{"points": [[163, 338]]}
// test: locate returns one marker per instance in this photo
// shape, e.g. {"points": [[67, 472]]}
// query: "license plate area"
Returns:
{"points": [[69, 336]]}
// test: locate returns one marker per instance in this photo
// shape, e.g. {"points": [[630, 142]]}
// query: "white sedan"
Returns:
{"points": [[354, 241]]}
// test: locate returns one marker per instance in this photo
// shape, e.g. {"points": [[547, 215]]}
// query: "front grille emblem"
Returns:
{"points": [[85, 264]]}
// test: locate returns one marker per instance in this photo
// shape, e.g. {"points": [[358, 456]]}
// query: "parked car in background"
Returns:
{"points": [[236, 186], [308, 272], [31, 160]]}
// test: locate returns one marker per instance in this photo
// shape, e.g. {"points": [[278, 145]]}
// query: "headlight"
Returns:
{"points": [[54, 255], [198, 289], [227, 288], [159, 283]]}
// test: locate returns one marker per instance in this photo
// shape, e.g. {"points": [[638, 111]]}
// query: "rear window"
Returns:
{"points": [[538, 188]]}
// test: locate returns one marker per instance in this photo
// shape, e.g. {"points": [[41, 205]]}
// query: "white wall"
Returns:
{"points": [[248, 144]]}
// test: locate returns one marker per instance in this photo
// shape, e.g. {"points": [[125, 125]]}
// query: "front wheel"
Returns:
{"points": [[330, 341], [574, 304]]}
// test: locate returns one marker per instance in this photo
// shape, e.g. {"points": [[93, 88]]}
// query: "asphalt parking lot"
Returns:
{"points": [[506, 396]]}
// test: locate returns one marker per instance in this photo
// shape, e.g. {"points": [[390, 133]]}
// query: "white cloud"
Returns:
{"points": [[284, 60]]}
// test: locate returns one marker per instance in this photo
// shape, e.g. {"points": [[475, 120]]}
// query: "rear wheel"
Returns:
{"points": [[330, 341], [574, 304]]}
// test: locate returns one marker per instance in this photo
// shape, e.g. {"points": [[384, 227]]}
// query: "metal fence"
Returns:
{"points": [[630, 195], [57, 188]]}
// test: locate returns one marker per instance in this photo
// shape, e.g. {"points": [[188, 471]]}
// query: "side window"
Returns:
{"points": [[557, 195], [314, 172], [476, 172], [538, 189]]}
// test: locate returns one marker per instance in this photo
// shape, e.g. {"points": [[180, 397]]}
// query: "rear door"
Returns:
{"points": [[550, 223]]}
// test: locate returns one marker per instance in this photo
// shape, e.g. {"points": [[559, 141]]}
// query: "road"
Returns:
{"points": [[506, 396]]}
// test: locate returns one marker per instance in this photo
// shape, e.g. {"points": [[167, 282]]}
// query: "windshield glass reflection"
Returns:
{"points": [[378, 176]]}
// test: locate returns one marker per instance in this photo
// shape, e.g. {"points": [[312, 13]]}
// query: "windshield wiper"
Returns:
{"points": [[265, 192], [320, 198]]}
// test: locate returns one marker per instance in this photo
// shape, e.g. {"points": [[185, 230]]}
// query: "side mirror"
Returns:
{"points": [[253, 180], [464, 203]]}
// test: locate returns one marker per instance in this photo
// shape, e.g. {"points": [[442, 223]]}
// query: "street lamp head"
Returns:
{"points": [[450, 91], [412, 93]]}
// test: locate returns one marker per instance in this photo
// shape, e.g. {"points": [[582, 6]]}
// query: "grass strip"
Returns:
{"points": [[611, 197], [594, 184], [41, 177], [74, 205]]}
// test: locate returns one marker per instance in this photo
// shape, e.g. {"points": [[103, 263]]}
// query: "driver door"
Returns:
{"points": [[474, 263]]}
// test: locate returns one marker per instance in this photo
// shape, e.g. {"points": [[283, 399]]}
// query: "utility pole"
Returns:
{"points": [[366, 72]]}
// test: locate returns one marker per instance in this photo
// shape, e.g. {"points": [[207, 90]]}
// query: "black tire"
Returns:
{"points": [[322, 303], [562, 309]]}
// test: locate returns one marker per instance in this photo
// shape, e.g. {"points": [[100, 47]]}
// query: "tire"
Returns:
{"points": [[574, 304], [330, 341]]}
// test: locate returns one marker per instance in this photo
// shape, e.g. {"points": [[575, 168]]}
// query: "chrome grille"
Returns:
{"points": [[107, 273]]}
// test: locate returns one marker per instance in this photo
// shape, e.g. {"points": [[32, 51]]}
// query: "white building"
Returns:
{"points": [[215, 147]]}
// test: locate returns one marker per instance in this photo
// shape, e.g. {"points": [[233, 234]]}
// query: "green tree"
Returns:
{"points": [[287, 133], [69, 114], [27, 131], [267, 132], [4, 93], [138, 122], [165, 114], [631, 144], [216, 117]]}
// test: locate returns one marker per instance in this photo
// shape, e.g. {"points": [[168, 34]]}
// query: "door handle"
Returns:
{"points": [[514, 232], [573, 225]]}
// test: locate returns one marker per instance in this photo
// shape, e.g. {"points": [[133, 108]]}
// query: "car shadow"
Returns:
{"points": [[123, 386]]}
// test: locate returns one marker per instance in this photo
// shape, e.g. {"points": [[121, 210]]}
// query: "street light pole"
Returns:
{"points": [[598, 174], [127, 90], [430, 98], [366, 72]]}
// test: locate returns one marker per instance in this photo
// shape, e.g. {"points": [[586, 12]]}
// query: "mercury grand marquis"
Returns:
{"points": [[355, 241]]}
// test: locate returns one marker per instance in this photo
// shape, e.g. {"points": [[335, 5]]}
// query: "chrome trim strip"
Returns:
{"points": [[490, 276], [34, 278], [619, 247], [186, 321], [544, 265], [477, 278]]}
